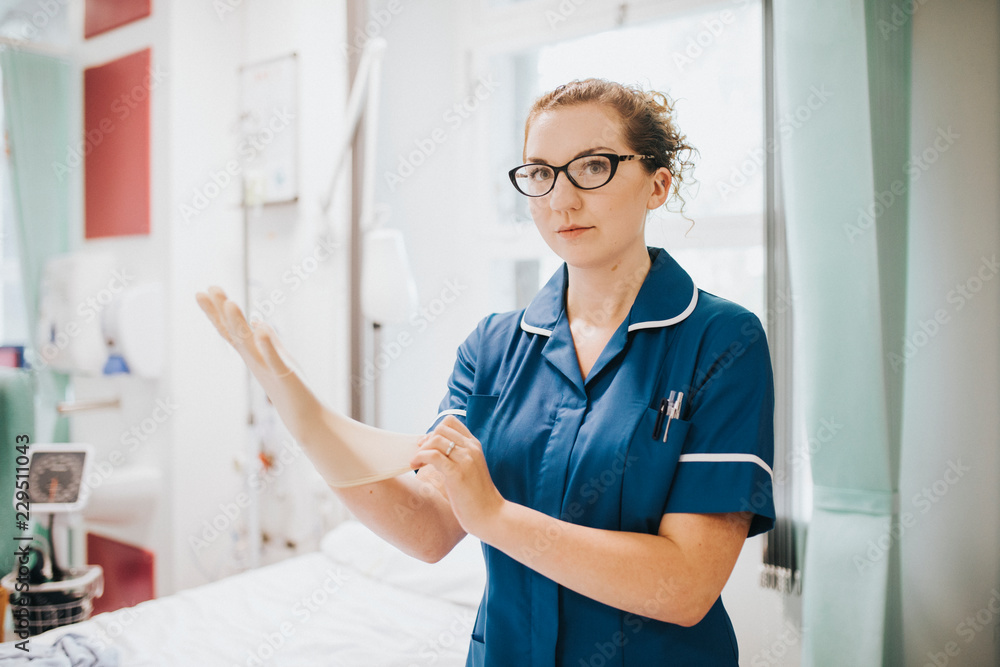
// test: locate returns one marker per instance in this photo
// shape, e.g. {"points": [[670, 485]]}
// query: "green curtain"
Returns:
{"points": [[842, 85], [16, 418], [37, 109]]}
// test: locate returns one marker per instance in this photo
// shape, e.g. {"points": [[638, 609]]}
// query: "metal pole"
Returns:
{"points": [[357, 14]]}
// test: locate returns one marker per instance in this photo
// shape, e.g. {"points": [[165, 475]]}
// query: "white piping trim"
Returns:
{"points": [[535, 330], [672, 320], [457, 413], [727, 458]]}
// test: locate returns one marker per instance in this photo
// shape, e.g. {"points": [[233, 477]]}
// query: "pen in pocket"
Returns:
{"points": [[670, 409]]}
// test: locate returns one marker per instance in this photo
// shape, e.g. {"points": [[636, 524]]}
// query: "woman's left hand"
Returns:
{"points": [[474, 498]]}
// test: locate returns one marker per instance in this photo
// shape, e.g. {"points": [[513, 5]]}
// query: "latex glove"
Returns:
{"points": [[344, 451]]}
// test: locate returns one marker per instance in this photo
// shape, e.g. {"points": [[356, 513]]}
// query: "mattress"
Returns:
{"points": [[356, 602]]}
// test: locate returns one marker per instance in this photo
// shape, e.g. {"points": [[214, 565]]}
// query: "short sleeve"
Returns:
{"points": [[460, 383], [726, 458]]}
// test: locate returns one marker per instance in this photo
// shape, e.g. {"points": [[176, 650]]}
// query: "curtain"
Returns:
{"points": [[842, 88], [36, 96], [16, 419]]}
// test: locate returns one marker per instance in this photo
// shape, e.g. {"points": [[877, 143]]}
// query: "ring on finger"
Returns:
{"points": [[450, 447]]}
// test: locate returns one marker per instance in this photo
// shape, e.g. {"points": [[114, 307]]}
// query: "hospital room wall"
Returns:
{"points": [[950, 460], [139, 259], [200, 442], [211, 437]]}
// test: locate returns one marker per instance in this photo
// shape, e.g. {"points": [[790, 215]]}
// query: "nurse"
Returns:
{"points": [[608, 529], [611, 444]]}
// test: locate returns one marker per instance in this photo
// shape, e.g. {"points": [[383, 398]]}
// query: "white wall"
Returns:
{"points": [[210, 434], [439, 216], [951, 555], [203, 446]]}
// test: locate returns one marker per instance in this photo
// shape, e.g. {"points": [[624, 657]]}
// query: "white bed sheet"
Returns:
{"points": [[324, 608]]}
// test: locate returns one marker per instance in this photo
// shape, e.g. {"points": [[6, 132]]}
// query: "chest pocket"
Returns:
{"points": [[650, 465]]}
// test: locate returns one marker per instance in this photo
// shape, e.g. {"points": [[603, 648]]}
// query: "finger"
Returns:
{"points": [[240, 331], [214, 316], [448, 447], [453, 435], [438, 442], [266, 339], [431, 457], [456, 424], [285, 355]]}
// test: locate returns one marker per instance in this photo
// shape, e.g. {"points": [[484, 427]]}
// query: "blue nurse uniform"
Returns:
{"points": [[582, 450]]}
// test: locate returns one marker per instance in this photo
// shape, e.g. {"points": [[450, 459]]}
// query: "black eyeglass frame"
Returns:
{"points": [[612, 158]]}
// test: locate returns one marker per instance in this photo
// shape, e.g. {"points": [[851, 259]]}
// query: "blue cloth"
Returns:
{"points": [[582, 451], [70, 650]]}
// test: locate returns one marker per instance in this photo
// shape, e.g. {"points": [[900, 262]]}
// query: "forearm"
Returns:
{"points": [[640, 573], [407, 511]]}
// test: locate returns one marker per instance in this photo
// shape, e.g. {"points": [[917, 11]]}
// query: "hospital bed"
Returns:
{"points": [[357, 602]]}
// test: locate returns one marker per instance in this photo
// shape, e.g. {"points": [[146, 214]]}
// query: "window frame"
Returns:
{"points": [[496, 30]]}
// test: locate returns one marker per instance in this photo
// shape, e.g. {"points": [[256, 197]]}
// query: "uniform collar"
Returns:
{"points": [[667, 296]]}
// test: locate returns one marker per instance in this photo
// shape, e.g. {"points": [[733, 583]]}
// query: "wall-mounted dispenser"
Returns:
{"points": [[94, 319]]}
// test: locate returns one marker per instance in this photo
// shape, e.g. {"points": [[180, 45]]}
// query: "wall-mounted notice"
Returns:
{"points": [[269, 129], [116, 132]]}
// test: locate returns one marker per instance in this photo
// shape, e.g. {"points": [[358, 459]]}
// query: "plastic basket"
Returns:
{"points": [[56, 603]]}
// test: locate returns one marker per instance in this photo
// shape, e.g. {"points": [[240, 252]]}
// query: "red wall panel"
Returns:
{"points": [[103, 15], [116, 145], [128, 572]]}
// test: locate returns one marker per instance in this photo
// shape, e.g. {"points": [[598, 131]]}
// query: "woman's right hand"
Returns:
{"points": [[261, 351], [345, 452]]}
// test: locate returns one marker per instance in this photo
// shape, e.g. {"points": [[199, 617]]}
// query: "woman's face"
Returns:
{"points": [[591, 228]]}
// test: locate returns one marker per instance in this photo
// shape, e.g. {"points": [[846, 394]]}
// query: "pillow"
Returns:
{"points": [[459, 577]]}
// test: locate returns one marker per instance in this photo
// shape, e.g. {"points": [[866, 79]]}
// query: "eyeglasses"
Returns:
{"points": [[587, 172]]}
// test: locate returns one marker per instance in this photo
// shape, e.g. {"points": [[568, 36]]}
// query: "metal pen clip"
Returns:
{"points": [[674, 411]]}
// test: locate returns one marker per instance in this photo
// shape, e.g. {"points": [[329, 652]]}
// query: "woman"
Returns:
{"points": [[610, 517]]}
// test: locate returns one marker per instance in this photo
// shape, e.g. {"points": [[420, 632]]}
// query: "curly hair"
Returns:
{"points": [[647, 118]]}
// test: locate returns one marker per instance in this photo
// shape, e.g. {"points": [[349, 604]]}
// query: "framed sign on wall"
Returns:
{"points": [[268, 147]]}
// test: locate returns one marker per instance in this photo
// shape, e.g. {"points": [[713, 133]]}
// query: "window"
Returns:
{"points": [[709, 63], [709, 58]]}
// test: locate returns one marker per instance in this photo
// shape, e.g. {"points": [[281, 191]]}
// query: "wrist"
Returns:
{"points": [[497, 524]]}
